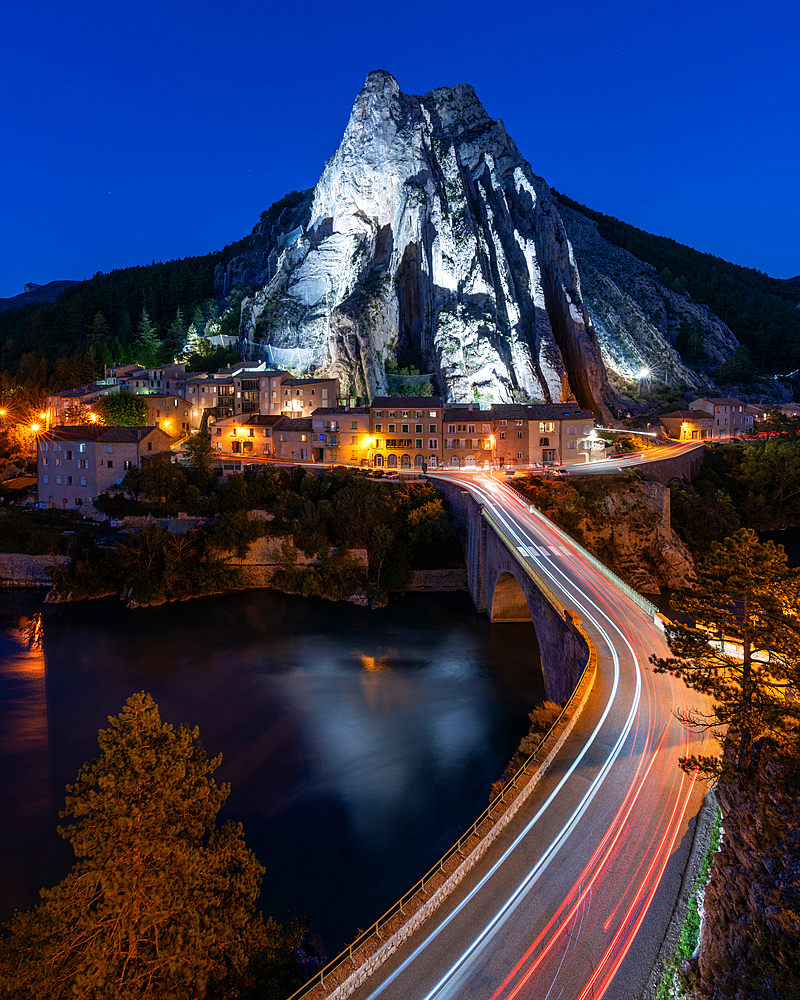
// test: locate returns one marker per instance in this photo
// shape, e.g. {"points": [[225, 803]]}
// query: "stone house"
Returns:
{"points": [[730, 415], [342, 435], [406, 432], [75, 464], [688, 425], [293, 439], [248, 434]]}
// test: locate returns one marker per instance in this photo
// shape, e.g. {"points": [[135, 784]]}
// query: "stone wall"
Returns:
{"points": [[437, 579], [264, 558], [18, 569]]}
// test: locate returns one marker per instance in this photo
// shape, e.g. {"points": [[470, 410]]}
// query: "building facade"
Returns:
{"points": [[730, 415], [77, 463]]}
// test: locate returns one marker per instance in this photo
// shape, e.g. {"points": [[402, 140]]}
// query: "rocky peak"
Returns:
{"points": [[429, 238]]}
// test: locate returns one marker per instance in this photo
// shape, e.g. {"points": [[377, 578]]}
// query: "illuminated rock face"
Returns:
{"points": [[429, 236], [637, 319]]}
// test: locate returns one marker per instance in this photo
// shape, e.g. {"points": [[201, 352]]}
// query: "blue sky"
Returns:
{"points": [[158, 130]]}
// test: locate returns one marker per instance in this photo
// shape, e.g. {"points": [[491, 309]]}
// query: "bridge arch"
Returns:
{"points": [[509, 603]]}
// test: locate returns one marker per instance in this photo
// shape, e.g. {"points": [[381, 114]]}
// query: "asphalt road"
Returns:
{"points": [[574, 899]]}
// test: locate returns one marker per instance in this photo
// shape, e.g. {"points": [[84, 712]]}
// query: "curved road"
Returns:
{"points": [[573, 900]]}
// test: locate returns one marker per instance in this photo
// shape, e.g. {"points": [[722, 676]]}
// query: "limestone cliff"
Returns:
{"points": [[627, 525], [430, 235], [639, 320]]}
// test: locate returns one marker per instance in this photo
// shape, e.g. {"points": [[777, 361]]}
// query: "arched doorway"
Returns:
{"points": [[419, 461], [405, 461], [454, 462], [391, 462], [469, 462], [379, 461]]}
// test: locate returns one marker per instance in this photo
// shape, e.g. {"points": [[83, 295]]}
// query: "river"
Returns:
{"points": [[358, 743]]}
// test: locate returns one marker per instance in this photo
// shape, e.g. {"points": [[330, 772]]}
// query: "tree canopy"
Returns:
{"points": [[121, 409], [741, 647], [161, 901]]}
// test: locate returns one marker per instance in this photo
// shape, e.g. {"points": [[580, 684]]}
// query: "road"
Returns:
{"points": [[572, 902]]}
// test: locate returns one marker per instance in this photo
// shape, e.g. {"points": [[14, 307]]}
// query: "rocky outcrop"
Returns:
{"points": [[750, 940], [628, 527], [430, 237], [638, 319]]}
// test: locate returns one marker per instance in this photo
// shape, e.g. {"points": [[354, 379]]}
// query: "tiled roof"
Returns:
{"points": [[688, 415], [126, 435], [339, 411], [306, 381], [406, 402], [721, 401], [293, 424]]}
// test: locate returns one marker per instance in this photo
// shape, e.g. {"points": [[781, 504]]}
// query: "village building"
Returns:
{"points": [[731, 418], [342, 435], [406, 432], [75, 464], [248, 434], [688, 425]]}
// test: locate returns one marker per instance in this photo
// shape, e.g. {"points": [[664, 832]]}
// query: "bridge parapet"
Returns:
{"points": [[506, 589]]}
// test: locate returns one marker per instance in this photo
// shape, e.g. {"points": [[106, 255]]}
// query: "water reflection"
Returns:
{"points": [[358, 743]]}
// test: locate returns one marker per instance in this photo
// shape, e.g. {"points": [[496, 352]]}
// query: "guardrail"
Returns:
{"points": [[634, 595], [497, 803]]}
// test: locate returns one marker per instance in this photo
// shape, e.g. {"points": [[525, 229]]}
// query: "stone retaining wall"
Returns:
{"points": [[18, 569]]}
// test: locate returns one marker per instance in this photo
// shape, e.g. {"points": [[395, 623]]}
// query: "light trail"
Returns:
{"points": [[637, 841]]}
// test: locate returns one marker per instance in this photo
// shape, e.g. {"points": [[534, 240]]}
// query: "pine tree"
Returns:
{"points": [[147, 345], [160, 903], [742, 650], [175, 338], [98, 332]]}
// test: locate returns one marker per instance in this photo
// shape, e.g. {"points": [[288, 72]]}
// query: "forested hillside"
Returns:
{"points": [[762, 311]]}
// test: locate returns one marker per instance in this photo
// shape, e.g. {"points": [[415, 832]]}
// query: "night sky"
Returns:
{"points": [[151, 131]]}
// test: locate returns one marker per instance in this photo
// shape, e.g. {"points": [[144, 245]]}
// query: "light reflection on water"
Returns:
{"points": [[358, 743]]}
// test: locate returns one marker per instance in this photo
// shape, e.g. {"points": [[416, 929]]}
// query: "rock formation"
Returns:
{"points": [[429, 238], [637, 318]]}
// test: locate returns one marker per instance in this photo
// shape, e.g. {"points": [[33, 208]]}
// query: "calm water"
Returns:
{"points": [[358, 743]]}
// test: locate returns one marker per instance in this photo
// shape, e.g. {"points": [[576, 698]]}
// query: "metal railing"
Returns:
{"points": [[457, 848]]}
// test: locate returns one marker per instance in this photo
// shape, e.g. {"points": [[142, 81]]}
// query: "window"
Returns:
{"points": [[379, 413], [502, 422], [433, 443], [519, 423], [44, 461], [391, 428], [519, 435], [353, 425], [418, 443], [404, 428], [502, 435], [451, 428], [471, 429], [109, 449], [149, 445], [127, 465], [431, 413], [83, 480], [251, 432], [418, 428], [45, 479], [58, 462], [431, 428], [69, 454], [546, 426], [544, 442], [353, 439], [58, 480], [519, 455], [378, 427], [110, 464]]}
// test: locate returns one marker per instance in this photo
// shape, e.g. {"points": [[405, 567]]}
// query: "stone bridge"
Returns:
{"points": [[501, 588]]}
